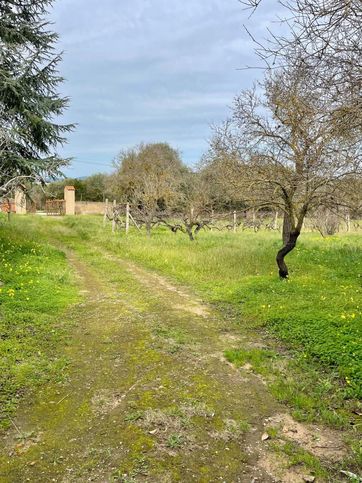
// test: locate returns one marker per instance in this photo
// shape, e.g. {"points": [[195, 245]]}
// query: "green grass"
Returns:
{"points": [[300, 458], [35, 289], [175, 441], [317, 313], [260, 359], [313, 394]]}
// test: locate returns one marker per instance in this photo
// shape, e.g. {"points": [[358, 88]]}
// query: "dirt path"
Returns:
{"points": [[149, 395]]}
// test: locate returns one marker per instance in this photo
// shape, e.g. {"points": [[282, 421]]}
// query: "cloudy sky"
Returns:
{"points": [[151, 70]]}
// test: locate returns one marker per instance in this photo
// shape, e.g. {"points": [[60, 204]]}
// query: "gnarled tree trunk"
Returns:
{"points": [[189, 231], [287, 227], [198, 228], [289, 245]]}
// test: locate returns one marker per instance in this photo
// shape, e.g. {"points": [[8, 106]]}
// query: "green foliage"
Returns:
{"points": [[175, 441], [93, 188], [97, 187], [29, 102], [35, 289], [55, 190], [149, 175]]}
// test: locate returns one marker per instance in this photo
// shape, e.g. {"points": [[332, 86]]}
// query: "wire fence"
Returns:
{"points": [[190, 221]]}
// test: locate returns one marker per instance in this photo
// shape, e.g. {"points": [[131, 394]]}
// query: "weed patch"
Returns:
{"points": [[35, 289]]}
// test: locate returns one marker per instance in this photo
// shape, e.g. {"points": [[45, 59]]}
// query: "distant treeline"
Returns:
{"points": [[96, 187], [151, 176]]}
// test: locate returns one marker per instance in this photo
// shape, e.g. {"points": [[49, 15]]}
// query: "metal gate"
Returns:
{"points": [[55, 207]]}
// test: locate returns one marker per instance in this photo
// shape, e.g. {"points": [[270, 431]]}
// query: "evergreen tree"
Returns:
{"points": [[29, 102]]}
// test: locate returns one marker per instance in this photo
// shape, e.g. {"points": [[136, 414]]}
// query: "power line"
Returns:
{"points": [[93, 163]]}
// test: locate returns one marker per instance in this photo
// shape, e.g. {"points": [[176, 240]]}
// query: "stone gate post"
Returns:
{"points": [[20, 202], [69, 198]]}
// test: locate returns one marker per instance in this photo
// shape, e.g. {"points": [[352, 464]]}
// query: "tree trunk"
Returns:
{"points": [[148, 229], [198, 228], [189, 232], [289, 245], [286, 228]]}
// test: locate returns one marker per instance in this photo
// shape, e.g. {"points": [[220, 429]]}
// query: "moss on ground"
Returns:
{"points": [[137, 347]]}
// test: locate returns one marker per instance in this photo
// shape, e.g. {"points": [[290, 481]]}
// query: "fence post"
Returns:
{"points": [[105, 213], [127, 218], [234, 222], [114, 219], [348, 222], [253, 214]]}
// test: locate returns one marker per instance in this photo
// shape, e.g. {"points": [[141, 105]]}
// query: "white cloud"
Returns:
{"points": [[151, 70]]}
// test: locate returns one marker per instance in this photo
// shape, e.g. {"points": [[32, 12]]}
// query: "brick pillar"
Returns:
{"points": [[69, 198], [20, 202]]}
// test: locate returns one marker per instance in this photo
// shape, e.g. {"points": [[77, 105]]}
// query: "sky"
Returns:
{"points": [[151, 71]]}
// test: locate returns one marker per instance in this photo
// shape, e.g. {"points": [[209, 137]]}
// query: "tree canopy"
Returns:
{"points": [[30, 104]]}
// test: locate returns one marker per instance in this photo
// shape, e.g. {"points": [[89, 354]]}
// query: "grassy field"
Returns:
{"points": [[318, 311], [35, 289], [313, 321]]}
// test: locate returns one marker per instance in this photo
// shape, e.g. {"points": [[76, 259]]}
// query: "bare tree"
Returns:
{"points": [[148, 176], [190, 209], [326, 35], [281, 150], [326, 221], [353, 198], [194, 203]]}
